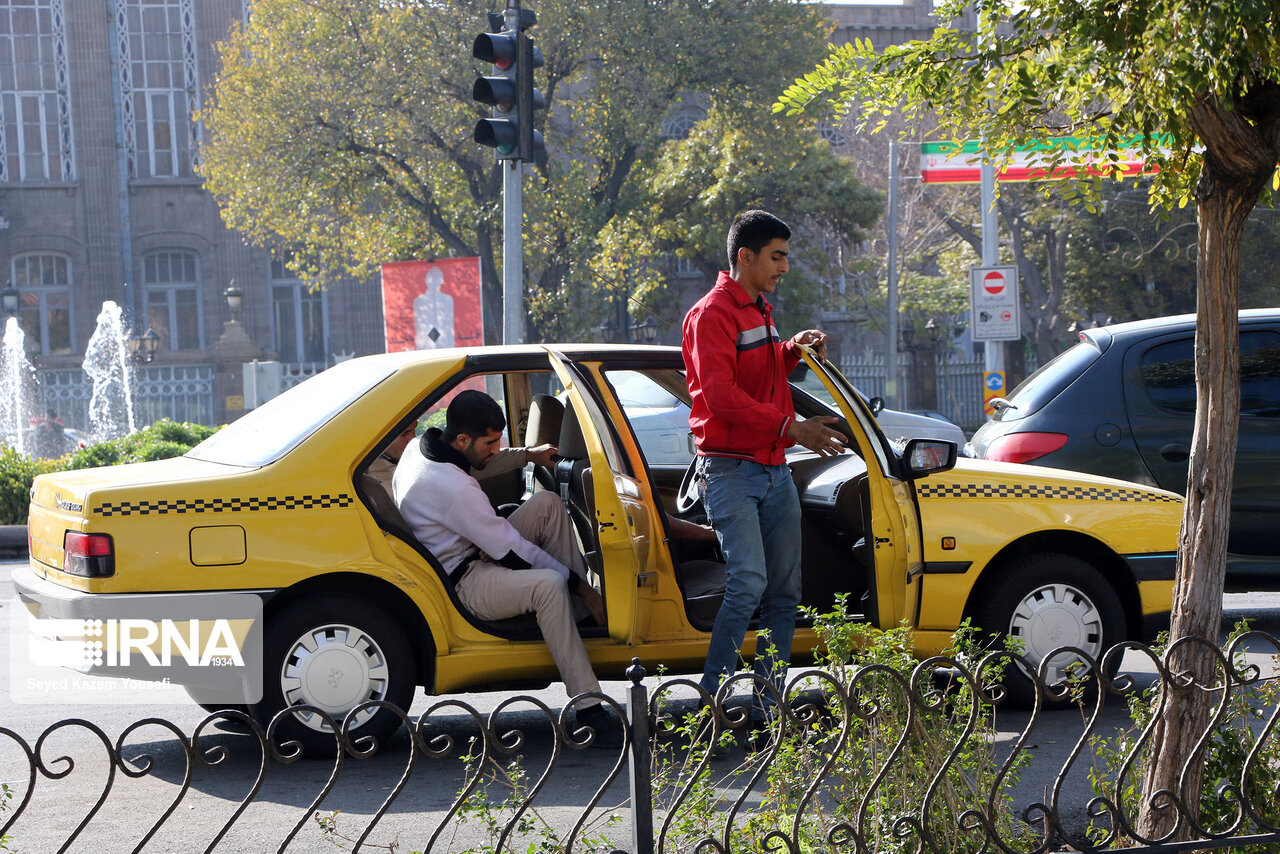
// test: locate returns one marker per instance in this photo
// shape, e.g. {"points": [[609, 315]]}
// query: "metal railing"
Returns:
{"points": [[179, 392], [959, 382], [859, 759]]}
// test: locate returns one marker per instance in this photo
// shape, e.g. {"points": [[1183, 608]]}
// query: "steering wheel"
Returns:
{"points": [[688, 497]]}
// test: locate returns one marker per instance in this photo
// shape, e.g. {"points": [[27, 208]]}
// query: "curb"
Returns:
{"points": [[13, 541]]}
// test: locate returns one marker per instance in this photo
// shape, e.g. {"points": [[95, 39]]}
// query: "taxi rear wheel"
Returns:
{"points": [[334, 654], [1048, 601]]}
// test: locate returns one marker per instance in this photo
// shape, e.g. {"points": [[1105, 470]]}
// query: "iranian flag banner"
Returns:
{"points": [[944, 163]]}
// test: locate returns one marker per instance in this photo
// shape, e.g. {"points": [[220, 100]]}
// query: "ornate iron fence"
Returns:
{"points": [[859, 759], [178, 392]]}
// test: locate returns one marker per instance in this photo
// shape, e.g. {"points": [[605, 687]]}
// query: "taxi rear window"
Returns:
{"points": [[273, 429]]}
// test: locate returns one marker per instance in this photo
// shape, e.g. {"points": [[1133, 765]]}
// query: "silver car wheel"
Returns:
{"points": [[335, 667], [1053, 616]]}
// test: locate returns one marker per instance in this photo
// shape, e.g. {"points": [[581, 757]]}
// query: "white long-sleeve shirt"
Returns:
{"points": [[452, 517]]}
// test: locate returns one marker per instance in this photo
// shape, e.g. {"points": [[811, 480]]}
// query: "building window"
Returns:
{"points": [[299, 318], [159, 85], [171, 293], [35, 104], [44, 288], [681, 123]]}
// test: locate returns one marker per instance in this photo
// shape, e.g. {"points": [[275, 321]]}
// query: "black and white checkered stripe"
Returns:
{"points": [[222, 505], [1075, 493]]}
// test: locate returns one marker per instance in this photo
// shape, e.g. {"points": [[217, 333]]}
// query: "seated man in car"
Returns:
{"points": [[501, 567], [384, 467]]}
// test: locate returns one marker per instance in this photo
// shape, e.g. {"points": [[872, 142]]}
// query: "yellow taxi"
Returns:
{"points": [[280, 506]]}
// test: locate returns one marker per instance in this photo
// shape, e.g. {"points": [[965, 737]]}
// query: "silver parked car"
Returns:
{"points": [[660, 419]]}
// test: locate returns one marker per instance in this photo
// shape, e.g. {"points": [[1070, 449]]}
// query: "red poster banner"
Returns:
{"points": [[431, 305]]}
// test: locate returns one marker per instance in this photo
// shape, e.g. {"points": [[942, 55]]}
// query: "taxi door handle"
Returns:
{"points": [[1175, 452]]}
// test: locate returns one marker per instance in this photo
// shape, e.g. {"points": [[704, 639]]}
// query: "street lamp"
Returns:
{"points": [[143, 347], [645, 333], [235, 299], [10, 297]]}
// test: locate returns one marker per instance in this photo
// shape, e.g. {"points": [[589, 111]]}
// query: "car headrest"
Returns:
{"points": [[546, 414], [572, 445]]}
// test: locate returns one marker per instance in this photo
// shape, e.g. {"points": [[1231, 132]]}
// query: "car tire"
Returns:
{"points": [[334, 654], [1048, 601]]}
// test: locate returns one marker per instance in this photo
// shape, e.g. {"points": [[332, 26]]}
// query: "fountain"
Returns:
{"points": [[106, 361], [18, 389]]}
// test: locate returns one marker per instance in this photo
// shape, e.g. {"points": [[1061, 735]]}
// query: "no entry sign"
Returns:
{"points": [[993, 303]]}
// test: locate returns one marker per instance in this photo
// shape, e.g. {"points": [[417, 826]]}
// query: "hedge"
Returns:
{"points": [[161, 440]]}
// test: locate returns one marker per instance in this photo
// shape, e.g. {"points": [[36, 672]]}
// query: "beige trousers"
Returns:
{"points": [[494, 592]]}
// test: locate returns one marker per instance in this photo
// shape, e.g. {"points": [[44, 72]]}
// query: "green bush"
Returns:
{"points": [[16, 474], [160, 441]]}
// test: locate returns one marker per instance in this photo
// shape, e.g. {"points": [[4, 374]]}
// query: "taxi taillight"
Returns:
{"points": [[88, 555], [1024, 447]]}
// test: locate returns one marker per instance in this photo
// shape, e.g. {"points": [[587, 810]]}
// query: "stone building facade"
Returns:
{"points": [[100, 200]]}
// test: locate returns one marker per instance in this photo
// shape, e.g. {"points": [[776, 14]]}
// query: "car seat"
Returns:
{"points": [[546, 415]]}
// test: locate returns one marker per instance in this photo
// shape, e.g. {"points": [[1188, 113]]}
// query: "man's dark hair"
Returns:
{"points": [[754, 230], [474, 413]]}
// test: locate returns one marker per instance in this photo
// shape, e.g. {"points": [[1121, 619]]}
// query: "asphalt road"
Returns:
{"points": [[287, 795]]}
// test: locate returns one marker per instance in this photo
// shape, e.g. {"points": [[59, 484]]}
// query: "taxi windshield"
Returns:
{"points": [[273, 429]]}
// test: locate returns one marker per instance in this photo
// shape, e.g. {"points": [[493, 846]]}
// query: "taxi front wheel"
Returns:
{"points": [[1050, 601], [334, 654]]}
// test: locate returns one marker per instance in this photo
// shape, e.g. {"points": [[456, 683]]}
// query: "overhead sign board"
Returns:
{"points": [[993, 304], [947, 163]]}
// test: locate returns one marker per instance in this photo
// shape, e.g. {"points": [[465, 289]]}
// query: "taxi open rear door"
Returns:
{"points": [[614, 500]]}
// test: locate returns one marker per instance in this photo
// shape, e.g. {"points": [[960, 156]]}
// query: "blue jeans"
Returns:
{"points": [[755, 511]]}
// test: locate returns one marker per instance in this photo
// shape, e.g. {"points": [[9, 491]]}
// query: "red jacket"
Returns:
{"points": [[737, 367]]}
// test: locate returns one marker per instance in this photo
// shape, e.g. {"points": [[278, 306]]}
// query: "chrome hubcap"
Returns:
{"points": [[335, 667], [1053, 616]]}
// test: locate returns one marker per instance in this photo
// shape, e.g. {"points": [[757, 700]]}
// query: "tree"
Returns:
{"points": [[728, 163], [1196, 86], [342, 130]]}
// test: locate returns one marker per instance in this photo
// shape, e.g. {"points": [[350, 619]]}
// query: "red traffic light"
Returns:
{"points": [[498, 48]]}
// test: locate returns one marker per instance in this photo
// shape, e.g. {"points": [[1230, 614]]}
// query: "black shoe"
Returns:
{"points": [[607, 728]]}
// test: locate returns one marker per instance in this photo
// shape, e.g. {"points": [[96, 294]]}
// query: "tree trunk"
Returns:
{"points": [[1227, 191]]}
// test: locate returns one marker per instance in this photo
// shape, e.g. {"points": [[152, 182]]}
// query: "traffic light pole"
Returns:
{"points": [[512, 228], [512, 252]]}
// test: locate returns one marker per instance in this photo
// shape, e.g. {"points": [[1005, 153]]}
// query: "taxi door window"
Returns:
{"points": [[658, 417]]}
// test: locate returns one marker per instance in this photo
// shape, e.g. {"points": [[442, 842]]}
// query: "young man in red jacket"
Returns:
{"points": [[743, 420]]}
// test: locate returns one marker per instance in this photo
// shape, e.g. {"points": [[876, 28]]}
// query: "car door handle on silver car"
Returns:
{"points": [[1175, 452]]}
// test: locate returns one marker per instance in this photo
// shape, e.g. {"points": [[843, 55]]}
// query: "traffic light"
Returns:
{"points": [[510, 129]]}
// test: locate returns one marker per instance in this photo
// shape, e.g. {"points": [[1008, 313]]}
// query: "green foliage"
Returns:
{"points": [[1159, 75], [860, 787], [161, 440], [17, 471], [6, 795], [342, 129], [1236, 735]]}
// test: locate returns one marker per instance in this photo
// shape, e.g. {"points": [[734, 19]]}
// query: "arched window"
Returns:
{"points": [[679, 124], [43, 281], [171, 292], [834, 133], [299, 318]]}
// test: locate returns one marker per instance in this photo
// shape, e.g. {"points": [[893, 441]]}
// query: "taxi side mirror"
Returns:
{"points": [[929, 456], [876, 404]]}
